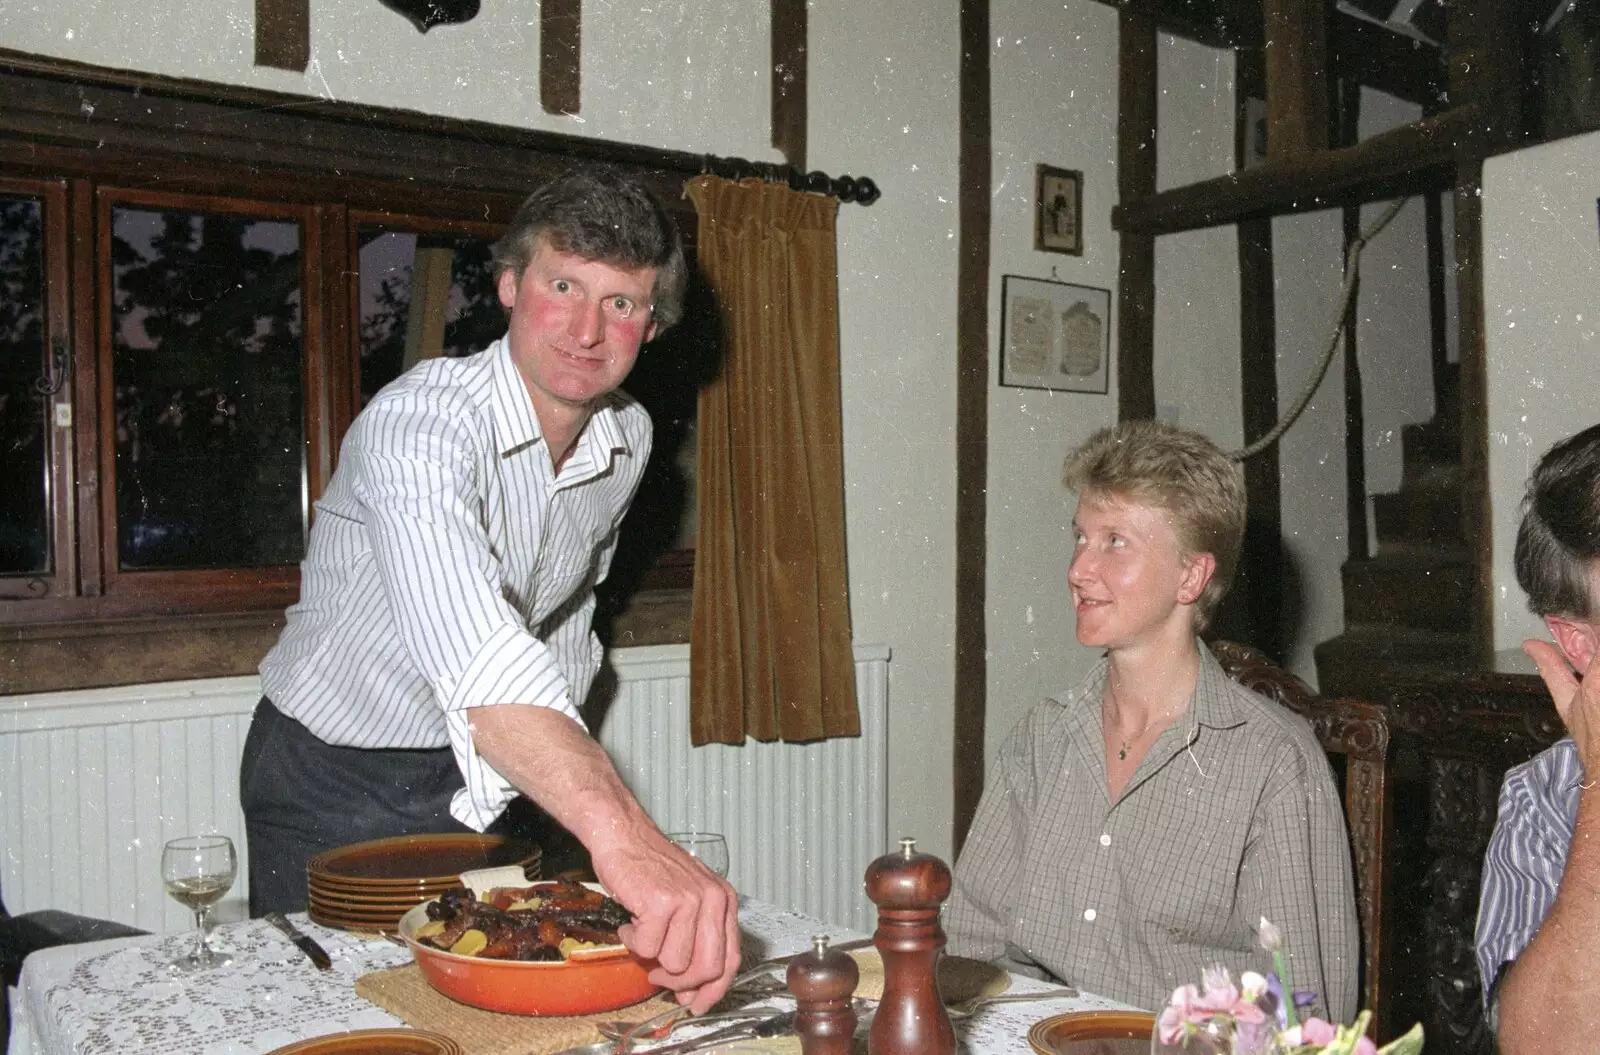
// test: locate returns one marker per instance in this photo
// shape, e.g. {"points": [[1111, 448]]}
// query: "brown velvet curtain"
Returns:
{"points": [[770, 651]]}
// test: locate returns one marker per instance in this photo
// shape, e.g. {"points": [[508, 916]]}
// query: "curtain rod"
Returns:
{"points": [[859, 189]]}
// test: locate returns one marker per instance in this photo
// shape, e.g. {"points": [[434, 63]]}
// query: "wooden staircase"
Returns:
{"points": [[1408, 605]]}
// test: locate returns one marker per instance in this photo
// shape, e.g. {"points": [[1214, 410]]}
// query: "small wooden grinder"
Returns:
{"points": [[908, 889], [823, 982]]}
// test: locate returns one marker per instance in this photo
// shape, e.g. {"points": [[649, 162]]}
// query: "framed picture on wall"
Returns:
{"points": [[1058, 211], [1054, 335]]}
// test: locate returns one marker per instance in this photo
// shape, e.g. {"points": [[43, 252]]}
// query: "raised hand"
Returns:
{"points": [[1578, 702]]}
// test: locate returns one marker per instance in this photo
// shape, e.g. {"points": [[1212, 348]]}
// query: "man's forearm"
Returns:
{"points": [[549, 758], [1549, 1000]]}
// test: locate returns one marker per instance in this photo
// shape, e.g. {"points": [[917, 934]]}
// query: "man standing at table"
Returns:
{"points": [[1538, 938], [435, 662]]}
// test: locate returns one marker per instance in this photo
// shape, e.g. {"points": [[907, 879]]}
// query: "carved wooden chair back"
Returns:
{"points": [[1357, 733]]}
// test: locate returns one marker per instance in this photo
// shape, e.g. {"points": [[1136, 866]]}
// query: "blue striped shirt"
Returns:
{"points": [[450, 567], [1527, 855]]}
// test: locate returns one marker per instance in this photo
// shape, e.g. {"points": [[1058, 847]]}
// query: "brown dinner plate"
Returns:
{"points": [[406, 859], [363, 924], [374, 1042], [1094, 1033], [341, 897]]}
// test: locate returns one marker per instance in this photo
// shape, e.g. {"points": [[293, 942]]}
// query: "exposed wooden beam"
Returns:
{"points": [[789, 80], [1261, 561], [1391, 62], [1296, 52], [1487, 53], [1401, 160], [283, 34], [974, 163], [1136, 181], [560, 40]]}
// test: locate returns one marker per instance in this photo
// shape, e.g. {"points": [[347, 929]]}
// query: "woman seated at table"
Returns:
{"points": [[1135, 831]]}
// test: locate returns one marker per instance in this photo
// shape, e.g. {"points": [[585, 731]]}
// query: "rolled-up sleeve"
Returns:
{"points": [[442, 579], [1522, 870]]}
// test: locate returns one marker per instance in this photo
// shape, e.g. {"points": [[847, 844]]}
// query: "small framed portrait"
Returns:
{"points": [[1058, 211], [1054, 335]]}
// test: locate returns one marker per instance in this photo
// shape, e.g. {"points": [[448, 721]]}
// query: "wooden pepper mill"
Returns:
{"points": [[908, 889], [823, 982]]}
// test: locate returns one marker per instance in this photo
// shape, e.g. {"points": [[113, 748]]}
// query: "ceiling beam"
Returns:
{"points": [[1375, 57], [283, 34], [1296, 53], [560, 56], [1401, 160]]}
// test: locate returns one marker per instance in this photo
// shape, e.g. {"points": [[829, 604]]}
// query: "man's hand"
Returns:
{"points": [[1577, 702], [686, 918]]}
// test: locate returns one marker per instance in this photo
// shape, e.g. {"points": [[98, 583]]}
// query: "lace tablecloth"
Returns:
{"points": [[118, 996]]}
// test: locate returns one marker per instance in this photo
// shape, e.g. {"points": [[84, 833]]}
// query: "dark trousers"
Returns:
{"points": [[302, 796]]}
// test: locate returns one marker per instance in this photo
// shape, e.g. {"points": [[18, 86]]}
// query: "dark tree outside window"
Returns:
{"points": [[206, 335], [24, 453], [423, 295]]}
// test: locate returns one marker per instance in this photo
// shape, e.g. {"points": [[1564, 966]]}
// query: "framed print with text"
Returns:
{"points": [[1054, 335], [1058, 211]]}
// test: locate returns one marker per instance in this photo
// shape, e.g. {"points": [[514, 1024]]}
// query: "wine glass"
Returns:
{"points": [[709, 848], [198, 870]]}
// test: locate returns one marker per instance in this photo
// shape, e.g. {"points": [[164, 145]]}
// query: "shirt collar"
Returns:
{"points": [[1216, 703], [516, 425]]}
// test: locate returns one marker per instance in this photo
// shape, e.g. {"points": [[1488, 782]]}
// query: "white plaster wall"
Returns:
{"points": [[885, 105], [1055, 69], [1054, 85], [1393, 335], [1541, 277], [693, 76], [1197, 272], [1308, 271], [685, 74]]}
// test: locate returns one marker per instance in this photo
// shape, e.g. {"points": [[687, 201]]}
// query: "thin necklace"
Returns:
{"points": [[1127, 741]]}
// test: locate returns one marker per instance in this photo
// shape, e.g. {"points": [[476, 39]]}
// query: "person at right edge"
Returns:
{"points": [[1538, 937]]}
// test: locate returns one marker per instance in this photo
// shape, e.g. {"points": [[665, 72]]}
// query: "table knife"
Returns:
{"points": [[306, 943]]}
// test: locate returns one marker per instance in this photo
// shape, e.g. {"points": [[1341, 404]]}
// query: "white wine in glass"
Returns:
{"points": [[198, 870], [709, 848]]}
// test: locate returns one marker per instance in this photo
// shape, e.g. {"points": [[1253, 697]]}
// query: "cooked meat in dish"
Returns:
{"points": [[545, 921]]}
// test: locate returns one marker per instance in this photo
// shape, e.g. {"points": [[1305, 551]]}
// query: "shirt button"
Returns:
{"points": [[1089, 914], [1105, 839]]}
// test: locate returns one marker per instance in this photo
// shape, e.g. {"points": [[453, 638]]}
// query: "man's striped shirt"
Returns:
{"points": [[449, 567], [1527, 855]]}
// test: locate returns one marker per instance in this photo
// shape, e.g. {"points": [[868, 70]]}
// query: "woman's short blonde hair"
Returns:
{"points": [[1181, 472]]}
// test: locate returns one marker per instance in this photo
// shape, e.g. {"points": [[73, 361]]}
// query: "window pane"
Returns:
{"points": [[24, 519], [206, 337], [423, 296]]}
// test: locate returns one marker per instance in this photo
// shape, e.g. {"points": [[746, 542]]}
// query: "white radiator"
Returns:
{"points": [[93, 782]]}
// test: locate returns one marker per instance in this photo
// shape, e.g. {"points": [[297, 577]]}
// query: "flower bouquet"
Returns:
{"points": [[1256, 1017]]}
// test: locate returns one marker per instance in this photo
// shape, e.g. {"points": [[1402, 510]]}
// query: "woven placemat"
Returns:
{"points": [[405, 993]]}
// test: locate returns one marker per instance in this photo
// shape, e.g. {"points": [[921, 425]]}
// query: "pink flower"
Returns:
{"points": [[1219, 992], [1181, 1011], [1316, 1031], [1364, 1046]]}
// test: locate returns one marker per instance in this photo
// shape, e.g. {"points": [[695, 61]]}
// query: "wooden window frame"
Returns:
{"points": [[61, 579], [155, 141], [117, 581]]}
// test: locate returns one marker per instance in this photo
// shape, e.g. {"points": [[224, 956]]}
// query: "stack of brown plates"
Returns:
{"points": [[369, 886]]}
